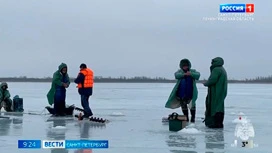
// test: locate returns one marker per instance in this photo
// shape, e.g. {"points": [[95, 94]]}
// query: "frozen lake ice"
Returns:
{"points": [[135, 112]]}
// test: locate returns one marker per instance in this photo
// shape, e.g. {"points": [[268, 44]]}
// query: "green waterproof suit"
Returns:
{"points": [[57, 77], [173, 101], [5, 96], [217, 91]]}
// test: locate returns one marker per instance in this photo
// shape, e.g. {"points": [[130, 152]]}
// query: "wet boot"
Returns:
{"points": [[221, 120], [193, 112], [219, 117], [62, 108], [80, 116], [185, 112]]}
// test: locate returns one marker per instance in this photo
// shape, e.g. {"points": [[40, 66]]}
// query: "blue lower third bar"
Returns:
{"points": [[86, 144], [29, 144]]}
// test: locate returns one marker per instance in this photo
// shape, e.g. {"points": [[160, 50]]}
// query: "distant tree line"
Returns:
{"points": [[137, 79]]}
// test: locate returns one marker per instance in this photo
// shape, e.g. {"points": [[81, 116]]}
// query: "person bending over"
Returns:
{"points": [[5, 100]]}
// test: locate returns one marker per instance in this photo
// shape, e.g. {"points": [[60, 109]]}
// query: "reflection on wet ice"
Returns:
{"points": [[5, 126], [57, 134], [84, 128], [184, 142], [215, 140]]}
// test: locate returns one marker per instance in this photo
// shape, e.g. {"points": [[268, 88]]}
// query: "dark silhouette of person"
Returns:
{"points": [[84, 81], [217, 92]]}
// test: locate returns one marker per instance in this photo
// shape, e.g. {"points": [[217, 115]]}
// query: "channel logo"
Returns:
{"points": [[237, 8], [48, 144]]}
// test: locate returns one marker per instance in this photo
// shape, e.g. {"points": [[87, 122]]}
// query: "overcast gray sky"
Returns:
{"points": [[130, 37]]}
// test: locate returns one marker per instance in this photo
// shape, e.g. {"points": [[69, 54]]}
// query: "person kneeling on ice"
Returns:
{"points": [[217, 92], [5, 100], [85, 88], [57, 93], [185, 91]]}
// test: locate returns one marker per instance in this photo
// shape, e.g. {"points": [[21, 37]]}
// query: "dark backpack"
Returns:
{"points": [[18, 104]]}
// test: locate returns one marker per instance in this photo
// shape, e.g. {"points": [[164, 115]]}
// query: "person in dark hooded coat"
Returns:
{"points": [[57, 93], [217, 92], [185, 91], [5, 97]]}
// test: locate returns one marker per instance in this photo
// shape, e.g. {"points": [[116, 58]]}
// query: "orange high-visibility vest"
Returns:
{"points": [[88, 81]]}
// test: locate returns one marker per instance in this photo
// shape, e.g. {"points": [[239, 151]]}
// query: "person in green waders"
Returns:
{"points": [[5, 100], [185, 91], [217, 92], [57, 93]]}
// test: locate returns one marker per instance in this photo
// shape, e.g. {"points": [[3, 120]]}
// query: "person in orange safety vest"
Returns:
{"points": [[85, 81]]}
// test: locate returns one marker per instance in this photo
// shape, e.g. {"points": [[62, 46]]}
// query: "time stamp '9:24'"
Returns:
{"points": [[29, 144]]}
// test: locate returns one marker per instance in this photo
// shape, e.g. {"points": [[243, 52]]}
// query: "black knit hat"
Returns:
{"points": [[83, 66]]}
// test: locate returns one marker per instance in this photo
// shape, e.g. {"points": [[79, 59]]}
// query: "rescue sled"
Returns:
{"points": [[69, 110]]}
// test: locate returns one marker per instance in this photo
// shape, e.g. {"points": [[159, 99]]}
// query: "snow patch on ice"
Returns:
{"points": [[117, 114], [237, 113], [241, 113], [191, 125], [191, 130], [59, 128]]}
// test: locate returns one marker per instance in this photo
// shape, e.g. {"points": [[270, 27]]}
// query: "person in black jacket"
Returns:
{"points": [[85, 88]]}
